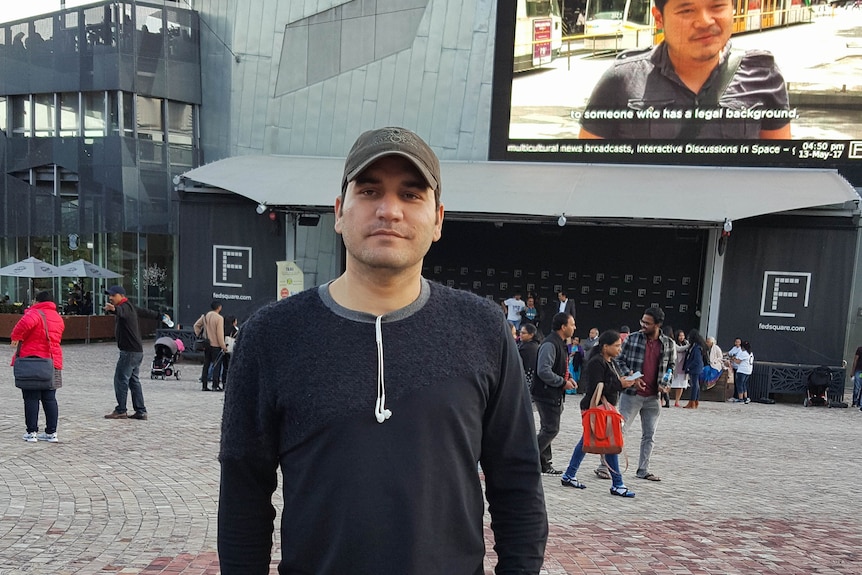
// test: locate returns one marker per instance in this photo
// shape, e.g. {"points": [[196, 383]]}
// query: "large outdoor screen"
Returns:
{"points": [[592, 81]]}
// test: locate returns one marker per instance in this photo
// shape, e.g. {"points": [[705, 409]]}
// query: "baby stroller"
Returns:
{"points": [[818, 382], [167, 352]]}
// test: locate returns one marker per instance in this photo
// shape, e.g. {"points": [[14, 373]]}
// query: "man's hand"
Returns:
{"points": [[109, 307], [570, 384]]}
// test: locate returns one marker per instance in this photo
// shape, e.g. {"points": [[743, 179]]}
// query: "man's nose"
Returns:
{"points": [[704, 17], [389, 207]]}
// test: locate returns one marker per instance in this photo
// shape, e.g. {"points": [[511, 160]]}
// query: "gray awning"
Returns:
{"points": [[589, 191]]}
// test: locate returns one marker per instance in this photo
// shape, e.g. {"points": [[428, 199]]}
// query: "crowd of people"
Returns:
{"points": [[640, 371]]}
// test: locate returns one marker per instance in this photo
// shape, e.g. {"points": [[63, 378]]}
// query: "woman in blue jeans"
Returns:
{"points": [[600, 368]]}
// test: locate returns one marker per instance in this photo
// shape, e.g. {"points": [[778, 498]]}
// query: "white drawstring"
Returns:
{"points": [[380, 411]]}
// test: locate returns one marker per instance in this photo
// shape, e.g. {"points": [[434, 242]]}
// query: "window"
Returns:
{"points": [[95, 121], [43, 115], [21, 116], [150, 124], [4, 127], [70, 117], [180, 123]]}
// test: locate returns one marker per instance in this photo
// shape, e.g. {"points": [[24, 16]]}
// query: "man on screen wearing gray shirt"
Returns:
{"points": [[690, 86]]}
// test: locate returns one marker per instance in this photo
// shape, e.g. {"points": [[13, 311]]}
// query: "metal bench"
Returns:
{"points": [[785, 378]]}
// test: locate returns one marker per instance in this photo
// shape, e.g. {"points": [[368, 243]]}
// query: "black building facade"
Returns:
{"points": [[98, 114]]}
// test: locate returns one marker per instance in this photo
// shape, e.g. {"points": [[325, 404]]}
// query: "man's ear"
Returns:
{"points": [[438, 227], [338, 206], [659, 22]]}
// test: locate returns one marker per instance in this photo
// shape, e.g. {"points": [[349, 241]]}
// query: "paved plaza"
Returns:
{"points": [[745, 488]]}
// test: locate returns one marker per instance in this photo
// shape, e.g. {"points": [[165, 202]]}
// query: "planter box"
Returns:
{"points": [[81, 327]]}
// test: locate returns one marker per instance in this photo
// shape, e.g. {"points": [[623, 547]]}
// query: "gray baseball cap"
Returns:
{"points": [[372, 145]]}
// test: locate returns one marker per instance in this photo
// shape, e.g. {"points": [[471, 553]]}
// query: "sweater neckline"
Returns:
{"points": [[364, 317]]}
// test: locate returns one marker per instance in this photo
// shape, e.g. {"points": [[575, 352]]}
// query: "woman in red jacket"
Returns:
{"points": [[30, 332]]}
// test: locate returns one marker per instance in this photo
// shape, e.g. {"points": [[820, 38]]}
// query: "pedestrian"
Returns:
{"points": [[38, 334], [128, 336], [680, 378], [552, 381], [379, 466], [230, 332], [744, 361], [856, 374], [650, 353], [601, 368], [514, 306], [211, 326], [528, 349], [695, 359], [531, 314]]}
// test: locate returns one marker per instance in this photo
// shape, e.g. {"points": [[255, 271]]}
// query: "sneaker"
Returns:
{"points": [[747, 400], [139, 415], [116, 415], [49, 437], [551, 471], [31, 437], [733, 400]]}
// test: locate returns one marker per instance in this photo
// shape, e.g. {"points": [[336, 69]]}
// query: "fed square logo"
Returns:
{"points": [[785, 294], [231, 265]]}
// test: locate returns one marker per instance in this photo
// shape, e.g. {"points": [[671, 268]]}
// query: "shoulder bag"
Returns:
{"points": [[35, 372], [201, 340], [603, 425]]}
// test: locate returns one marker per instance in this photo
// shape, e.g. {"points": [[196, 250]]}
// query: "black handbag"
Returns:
{"points": [[35, 373], [201, 339]]}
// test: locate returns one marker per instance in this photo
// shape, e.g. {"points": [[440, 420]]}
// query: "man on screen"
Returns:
{"points": [[691, 85]]}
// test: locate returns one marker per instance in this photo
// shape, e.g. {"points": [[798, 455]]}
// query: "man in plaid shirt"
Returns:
{"points": [[651, 353]]}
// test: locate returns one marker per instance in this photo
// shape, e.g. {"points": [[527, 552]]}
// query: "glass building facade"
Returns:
{"points": [[99, 110]]}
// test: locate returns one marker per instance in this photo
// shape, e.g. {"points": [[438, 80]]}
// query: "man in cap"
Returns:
{"points": [[128, 336], [379, 465]]}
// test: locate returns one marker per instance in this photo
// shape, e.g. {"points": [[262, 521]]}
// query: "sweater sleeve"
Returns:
{"points": [[510, 460], [545, 365], [245, 517], [249, 462]]}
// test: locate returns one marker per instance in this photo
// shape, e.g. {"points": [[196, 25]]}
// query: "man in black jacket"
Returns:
{"points": [[549, 388], [128, 338]]}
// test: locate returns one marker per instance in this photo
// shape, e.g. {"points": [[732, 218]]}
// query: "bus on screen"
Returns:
{"points": [[614, 25], [538, 33]]}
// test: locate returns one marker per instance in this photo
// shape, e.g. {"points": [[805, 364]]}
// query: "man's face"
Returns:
{"points": [[115, 298], [649, 327], [530, 302], [594, 333], [561, 296], [569, 328], [388, 218], [695, 31]]}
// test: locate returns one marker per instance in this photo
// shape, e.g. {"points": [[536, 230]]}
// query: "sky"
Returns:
{"points": [[17, 9]]}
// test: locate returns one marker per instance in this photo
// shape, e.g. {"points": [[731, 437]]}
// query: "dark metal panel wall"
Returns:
{"points": [[222, 241], [787, 291], [612, 273]]}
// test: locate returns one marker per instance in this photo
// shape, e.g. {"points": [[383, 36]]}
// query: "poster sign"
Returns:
{"points": [[289, 279], [541, 42]]}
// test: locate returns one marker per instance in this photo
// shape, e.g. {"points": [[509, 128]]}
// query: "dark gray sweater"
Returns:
{"points": [[361, 497]]}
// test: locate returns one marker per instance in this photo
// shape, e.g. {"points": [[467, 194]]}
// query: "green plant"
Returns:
{"points": [[11, 308]]}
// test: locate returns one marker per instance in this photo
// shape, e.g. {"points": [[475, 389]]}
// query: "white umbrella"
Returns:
{"points": [[85, 269], [31, 268]]}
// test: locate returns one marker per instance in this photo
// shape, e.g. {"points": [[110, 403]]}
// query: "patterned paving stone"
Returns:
{"points": [[745, 489]]}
